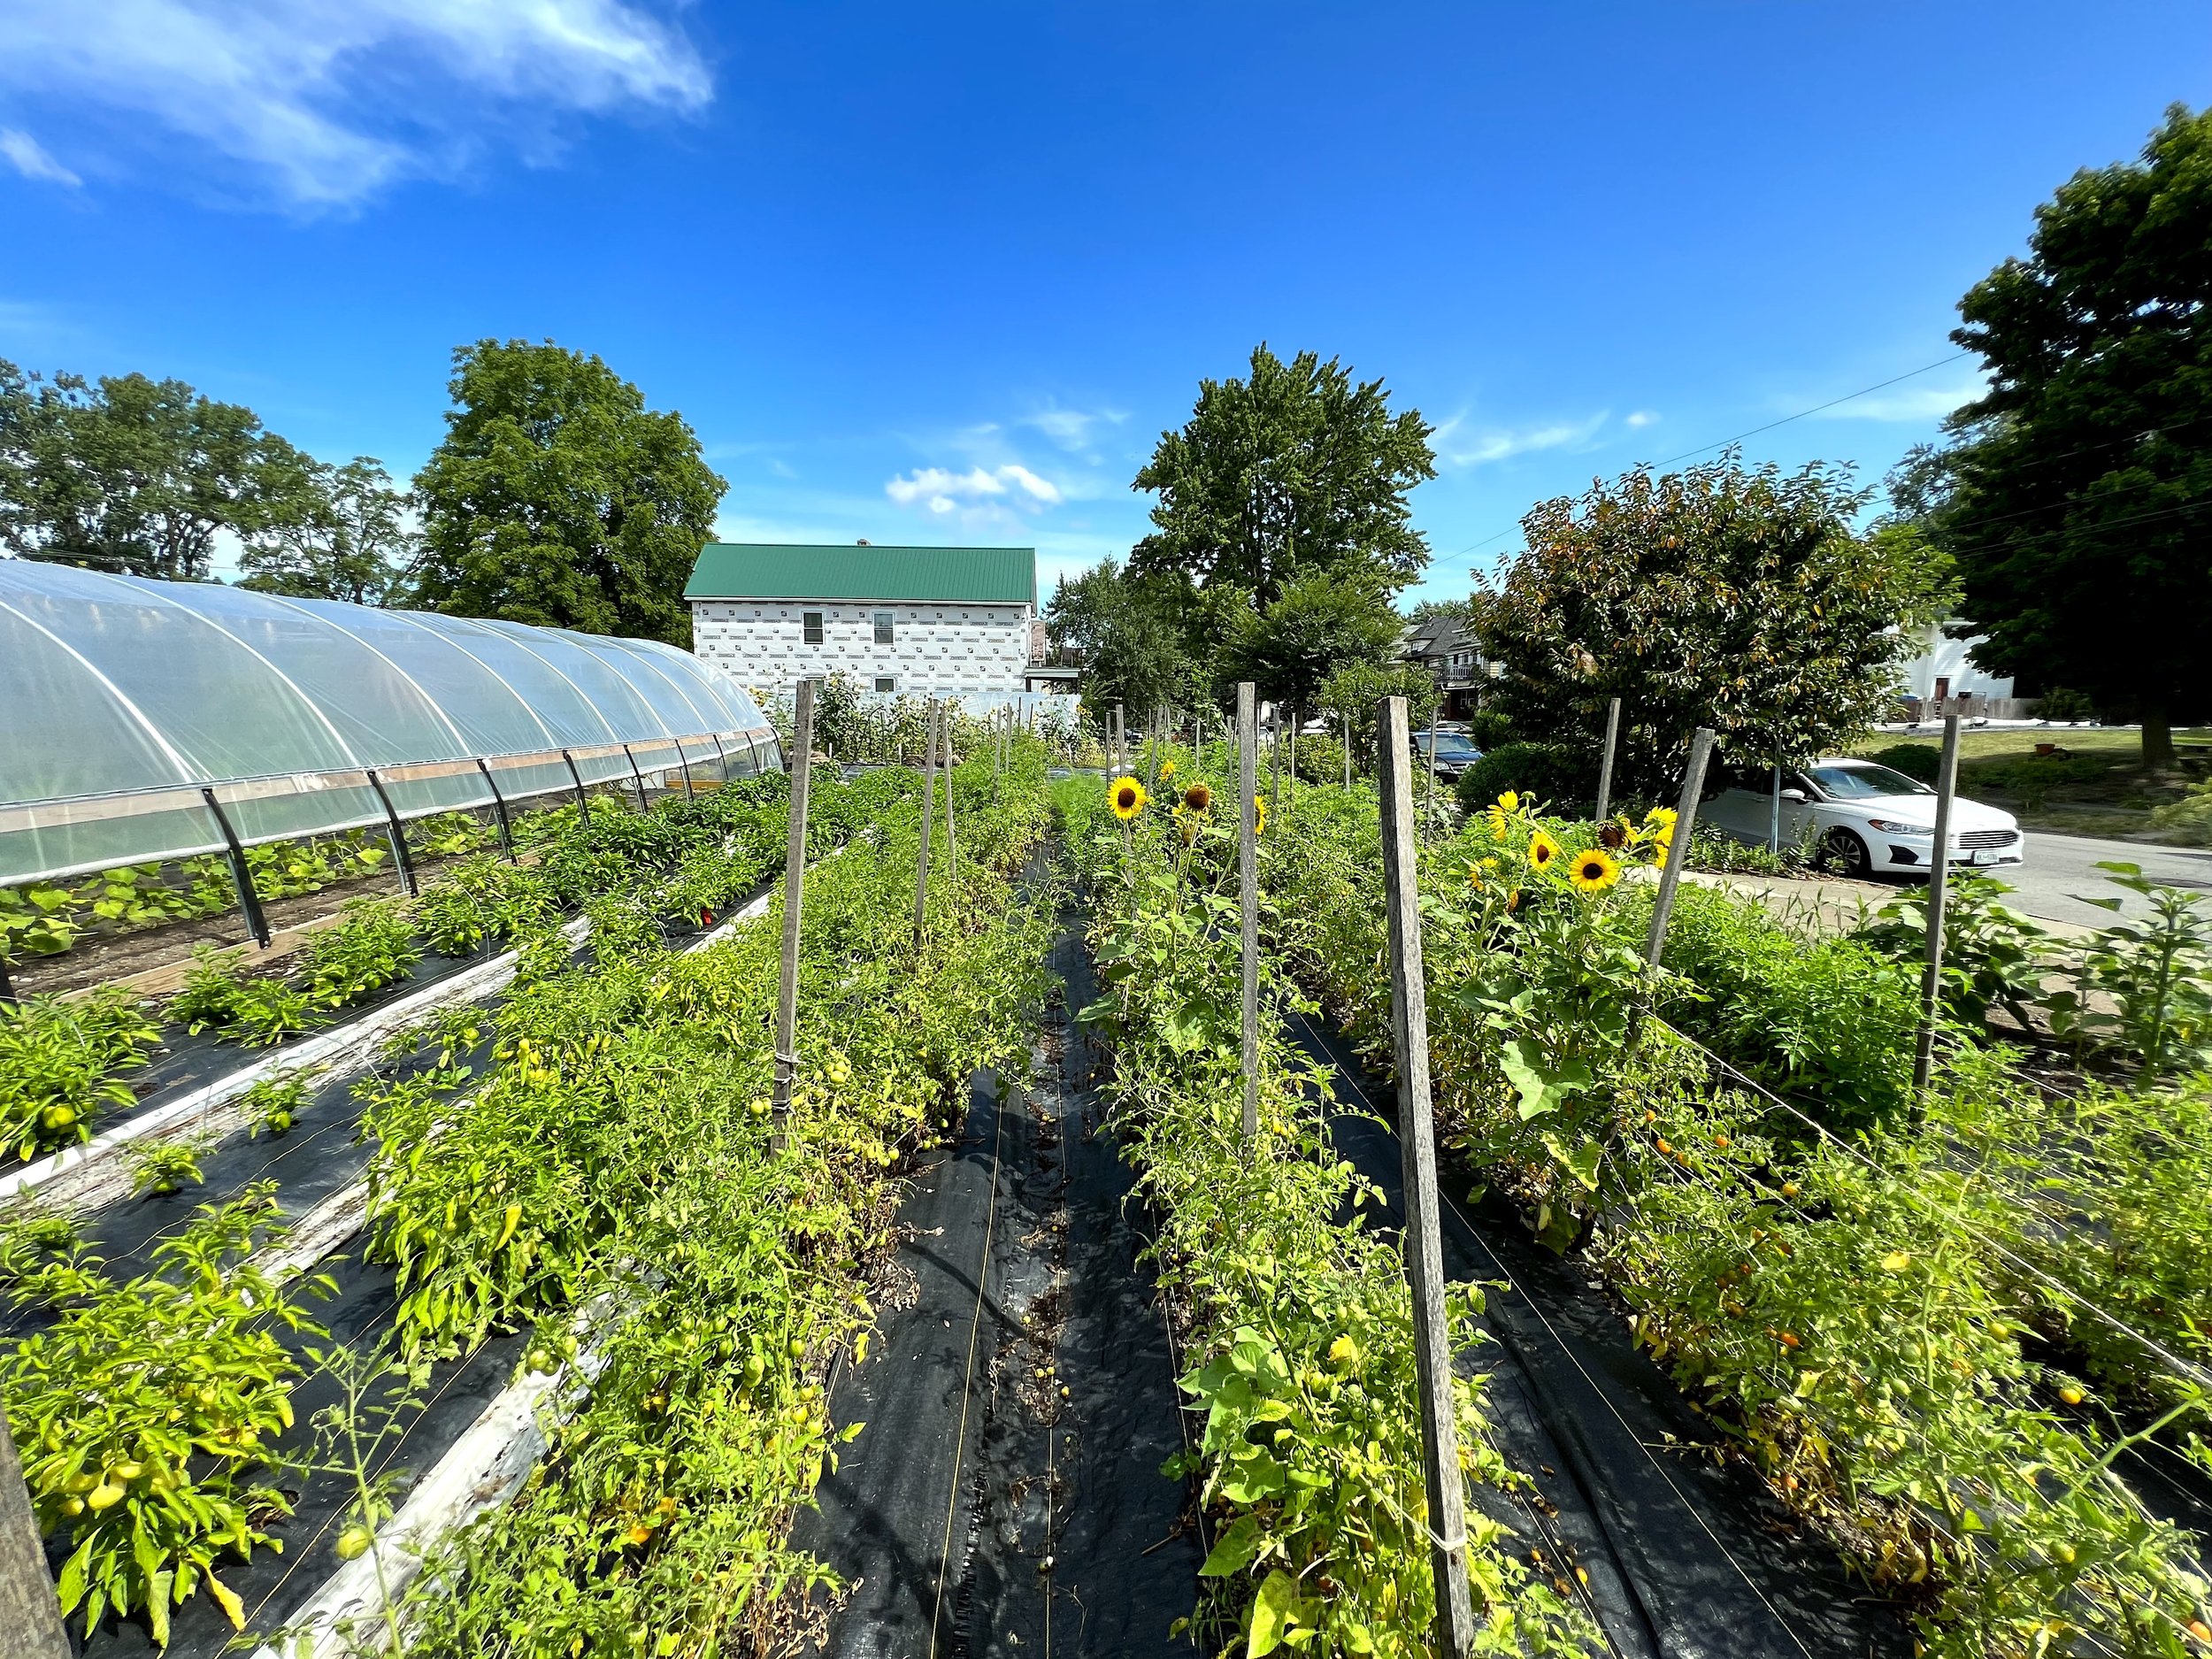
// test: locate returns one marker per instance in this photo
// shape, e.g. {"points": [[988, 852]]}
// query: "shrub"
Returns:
{"points": [[256, 1011], [59, 1063], [2188, 820], [2058, 703], [1490, 728], [1914, 760], [373, 947], [1561, 776], [1318, 757]]}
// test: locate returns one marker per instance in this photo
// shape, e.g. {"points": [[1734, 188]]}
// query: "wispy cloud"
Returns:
{"points": [[1643, 418], [1455, 447], [1921, 403], [942, 490], [300, 94], [1073, 428], [29, 157]]}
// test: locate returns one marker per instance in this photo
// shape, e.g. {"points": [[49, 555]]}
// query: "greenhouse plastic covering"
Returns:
{"points": [[126, 704]]}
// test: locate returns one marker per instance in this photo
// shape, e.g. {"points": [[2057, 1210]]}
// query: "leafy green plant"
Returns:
{"points": [[2156, 974], [272, 1104], [1993, 957], [159, 1168], [371, 946], [139, 1411], [254, 1010], [451, 835], [62, 1060], [35, 919], [480, 902]]}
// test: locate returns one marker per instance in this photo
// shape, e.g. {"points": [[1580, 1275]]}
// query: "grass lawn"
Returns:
{"points": [[2094, 786]]}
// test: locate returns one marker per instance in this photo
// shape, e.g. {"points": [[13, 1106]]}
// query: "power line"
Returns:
{"points": [[1801, 414]]}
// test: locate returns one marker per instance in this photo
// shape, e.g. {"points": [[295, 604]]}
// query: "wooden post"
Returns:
{"points": [[1423, 1244], [1605, 761], [30, 1613], [1249, 894], [1938, 887], [952, 846], [1152, 754], [1274, 755], [1428, 794], [794, 894], [1121, 742], [1774, 811], [1679, 851], [929, 798]]}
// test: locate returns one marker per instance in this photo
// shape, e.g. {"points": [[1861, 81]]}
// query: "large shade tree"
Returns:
{"points": [[1131, 636], [1735, 598], [559, 498], [1319, 625], [2080, 500], [351, 540], [139, 476], [1295, 468]]}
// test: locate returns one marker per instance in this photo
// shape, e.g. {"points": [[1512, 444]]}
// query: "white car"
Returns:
{"points": [[1872, 820]]}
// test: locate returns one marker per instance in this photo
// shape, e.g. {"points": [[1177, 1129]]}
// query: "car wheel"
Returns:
{"points": [[1848, 855]]}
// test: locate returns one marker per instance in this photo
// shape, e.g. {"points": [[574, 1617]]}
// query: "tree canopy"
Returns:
{"points": [[2078, 499], [559, 498], [1319, 625], [1298, 468], [139, 476], [1720, 595], [1131, 635], [351, 540]]}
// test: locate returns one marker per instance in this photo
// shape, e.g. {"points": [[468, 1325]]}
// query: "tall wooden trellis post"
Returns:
{"points": [[1605, 760], [1423, 1244], [929, 804], [793, 896], [1938, 889], [1679, 847], [1249, 894]]}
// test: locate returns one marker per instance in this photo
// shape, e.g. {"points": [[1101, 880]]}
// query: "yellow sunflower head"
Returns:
{"points": [[1259, 812], [1127, 796], [1167, 770], [1510, 801], [1593, 871], [1198, 798], [1542, 850]]}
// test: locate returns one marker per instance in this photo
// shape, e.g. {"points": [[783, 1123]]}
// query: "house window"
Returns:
{"points": [[811, 627], [886, 682], [883, 632]]}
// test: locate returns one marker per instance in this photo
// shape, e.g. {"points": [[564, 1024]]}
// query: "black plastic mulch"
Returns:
{"points": [[981, 1511], [1686, 1557]]}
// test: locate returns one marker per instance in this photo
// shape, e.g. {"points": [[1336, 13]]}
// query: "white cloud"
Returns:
{"points": [[327, 101], [1644, 417], [1071, 428], [31, 160], [942, 490], [1501, 444], [1913, 402]]}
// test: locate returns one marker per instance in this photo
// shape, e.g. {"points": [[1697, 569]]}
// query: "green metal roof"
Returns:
{"points": [[758, 570]]}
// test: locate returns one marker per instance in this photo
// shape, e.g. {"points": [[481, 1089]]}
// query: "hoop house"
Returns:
{"points": [[142, 720]]}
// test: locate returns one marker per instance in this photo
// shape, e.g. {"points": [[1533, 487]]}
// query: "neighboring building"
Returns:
{"points": [[1446, 646], [932, 620], [1943, 678]]}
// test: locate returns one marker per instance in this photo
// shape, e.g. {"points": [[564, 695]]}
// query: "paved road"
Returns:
{"points": [[2061, 869]]}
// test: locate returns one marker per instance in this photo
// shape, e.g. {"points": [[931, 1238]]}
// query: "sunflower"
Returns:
{"points": [[1594, 871], [1198, 798], [1510, 801], [1613, 837], [1128, 798], [1259, 810], [1167, 770], [1542, 850]]}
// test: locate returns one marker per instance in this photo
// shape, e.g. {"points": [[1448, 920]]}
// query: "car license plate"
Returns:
{"points": [[1985, 856]]}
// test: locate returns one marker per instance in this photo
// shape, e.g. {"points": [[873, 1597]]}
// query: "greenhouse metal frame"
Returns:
{"points": [[145, 720]]}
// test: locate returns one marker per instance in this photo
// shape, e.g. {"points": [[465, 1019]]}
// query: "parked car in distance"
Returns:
{"points": [[1870, 819], [1456, 751]]}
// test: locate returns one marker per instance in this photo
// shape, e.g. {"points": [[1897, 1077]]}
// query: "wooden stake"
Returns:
{"points": [[929, 799], [1939, 888], [1605, 763], [1428, 794], [1274, 755], [1249, 894], [952, 846], [793, 896], [1679, 851], [1423, 1244]]}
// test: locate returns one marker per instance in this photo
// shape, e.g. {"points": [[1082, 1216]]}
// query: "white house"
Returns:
{"points": [[936, 621], [1944, 670]]}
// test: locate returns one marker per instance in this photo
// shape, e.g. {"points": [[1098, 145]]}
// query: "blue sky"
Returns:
{"points": [[943, 274]]}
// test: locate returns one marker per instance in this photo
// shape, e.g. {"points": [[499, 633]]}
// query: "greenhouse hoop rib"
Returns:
{"points": [[127, 700]]}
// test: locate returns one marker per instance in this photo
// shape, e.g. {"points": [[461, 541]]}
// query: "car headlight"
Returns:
{"points": [[1889, 826]]}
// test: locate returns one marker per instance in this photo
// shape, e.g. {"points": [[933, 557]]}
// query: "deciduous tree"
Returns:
{"points": [[1298, 468], [1319, 624], [350, 538], [559, 498], [2079, 506], [1722, 596]]}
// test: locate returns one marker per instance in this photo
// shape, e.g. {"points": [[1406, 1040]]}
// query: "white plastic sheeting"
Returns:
{"points": [[121, 700]]}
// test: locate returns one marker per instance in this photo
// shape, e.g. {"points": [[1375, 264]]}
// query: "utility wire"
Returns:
{"points": [[1801, 415]]}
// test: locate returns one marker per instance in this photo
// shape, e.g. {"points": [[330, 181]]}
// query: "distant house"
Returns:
{"points": [[931, 620], [1942, 678], [1446, 646]]}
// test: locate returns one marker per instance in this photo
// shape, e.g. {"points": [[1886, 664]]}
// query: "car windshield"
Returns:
{"points": [[1451, 746], [1862, 781]]}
